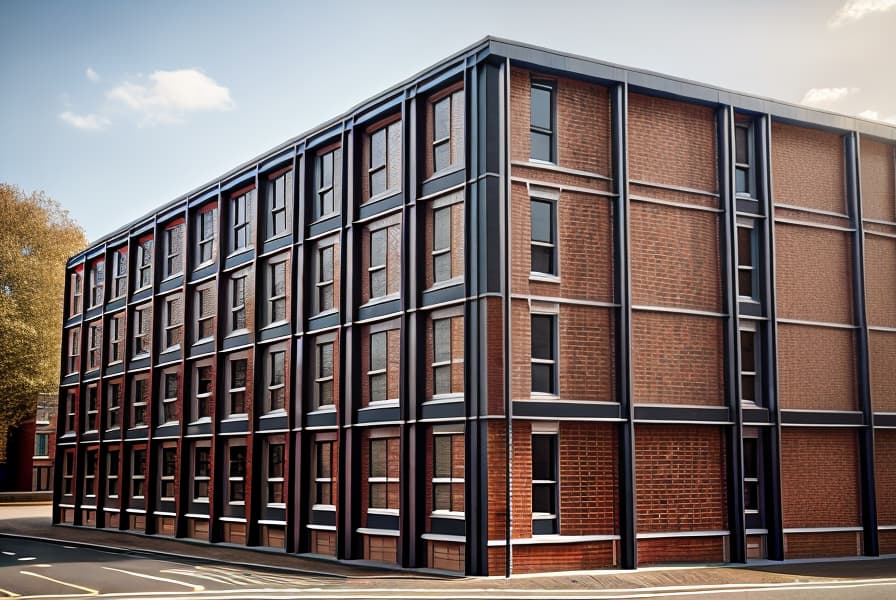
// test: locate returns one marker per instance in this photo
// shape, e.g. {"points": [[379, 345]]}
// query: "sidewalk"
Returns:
{"points": [[34, 522]]}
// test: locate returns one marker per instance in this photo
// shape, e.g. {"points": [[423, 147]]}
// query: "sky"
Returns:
{"points": [[115, 108]]}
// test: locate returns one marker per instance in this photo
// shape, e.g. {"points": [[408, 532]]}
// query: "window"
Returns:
{"points": [[144, 263], [384, 170], [142, 329], [241, 221], [545, 484], [237, 386], [749, 348], [747, 259], [541, 121], [205, 234], [544, 221], [174, 320], [274, 492], [201, 473], [236, 473], [448, 131], [377, 375], [448, 471], [113, 405], [120, 273], [138, 473], [97, 280], [41, 445], [751, 474], [323, 380], [544, 362], [68, 474], [325, 278], [45, 408], [170, 386], [174, 250], [204, 387], [169, 469], [139, 399], [327, 174], [384, 261], [92, 409], [323, 473], [743, 153], [276, 380], [116, 328], [278, 200], [441, 354], [276, 284], [238, 301], [94, 345], [441, 244], [205, 313], [74, 349], [77, 284], [90, 474], [112, 474], [71, 400], [384, 473]]}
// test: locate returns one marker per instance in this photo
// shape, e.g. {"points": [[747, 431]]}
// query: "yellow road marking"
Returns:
{"points": [[90, 591], [9, 594], [195, 588]]}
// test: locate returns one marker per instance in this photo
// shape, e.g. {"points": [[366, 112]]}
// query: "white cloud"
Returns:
{"points": [[91, 121], [165, 96], [92, 75], [855, 10], [874, 115], [816, 96]]}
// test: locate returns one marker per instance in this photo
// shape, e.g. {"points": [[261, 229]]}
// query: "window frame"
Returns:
{"points": [[321, 285], [378, 372], [206, 215], [200, 318], [168, 402], [451, 95], [202, 397], [270, 477], [386, 479], [320, 378], [68, 474], [751, 225], [77, 293], [553, 244], [145, 248], [272, 210], [272, 388], [116, 327], [174, 258], [244, 199], [167, 478], [142, 331], [232, 361], [91, 457], [91, 408], [201, 478], [138, 473], [120, 273], [237, 285], [273, 298], [113, 404], [446, 432], [321, 481], [172, 331], [240, 477], [547, 430], [746, 167], [554, 361], [446, 251], [551, 88], [71, 401], [334, 152], [73, 362], [112, 473], [753, 329], [97, 284], [94, 345], [37, 445], [139, 400], [437, 364]]}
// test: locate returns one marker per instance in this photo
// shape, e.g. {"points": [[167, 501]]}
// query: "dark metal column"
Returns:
{"points": [[774, 515], [734, 434], [866, 433], [628, 527]]}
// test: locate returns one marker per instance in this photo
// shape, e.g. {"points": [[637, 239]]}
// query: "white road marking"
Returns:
{"points": [[28, 558], [192, 573], [8, 593], [195, 588], [90, 591], [9, 553]]}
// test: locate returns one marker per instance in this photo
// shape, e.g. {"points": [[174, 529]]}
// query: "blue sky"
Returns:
{"points": [[114, 108]]}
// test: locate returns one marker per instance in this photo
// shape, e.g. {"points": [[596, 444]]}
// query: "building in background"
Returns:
{"points": [[44, 442], [655, 314]]}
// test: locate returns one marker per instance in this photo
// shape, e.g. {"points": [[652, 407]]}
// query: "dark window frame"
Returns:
{"points": [[144, 263], [273, 210], [204, 320], [322, 379], [202, 473], [138, 473], [237, 454], [325, 286], [439, 434], [241, 202], [550, 246], [206, 218], [168, 398], [174, 255], [550, 132], [386, 479], [238, 321], [747, 166], [77, 303], [275, 383], [174, 334], [748, 271], [167, 473], [113, 458], [553, 361], [323, 481], [113, 404], [546, 522], [120, 273], [276, 301], [142, 338], [237, 395], [97, 283], [139, 400], [202, 397], [275, 484], [326, 182], [750, 379]]}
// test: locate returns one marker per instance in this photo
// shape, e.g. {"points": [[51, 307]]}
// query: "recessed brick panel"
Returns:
{"points": [[878, 177], [677, 359], [672, 143], [675, 257], [819, 477], [561, 557], [885, 475], [680, 478], [833, 544], [882, 345], [588, 479], [816, 368], [880, 280], [688, 549], [807, 167], [814, 276]]}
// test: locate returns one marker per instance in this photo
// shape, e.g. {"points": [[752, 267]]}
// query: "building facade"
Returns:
{"points": [[614, 317]]}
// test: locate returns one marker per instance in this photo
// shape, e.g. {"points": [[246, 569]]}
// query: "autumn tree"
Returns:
{"points": [[37, 236]]}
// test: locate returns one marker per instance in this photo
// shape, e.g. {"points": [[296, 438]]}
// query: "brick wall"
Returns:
{"points": [[495, 355], [816, 368], [677, 359], [819, 477], [882, 354], [675, 257], [680, 478], [689, 549], [583, 122], [672, 143], [880, 280], [814, 277], [817, 545], [878, 177], [807, 167], [885, 475], [588, 479], [560, 557]]}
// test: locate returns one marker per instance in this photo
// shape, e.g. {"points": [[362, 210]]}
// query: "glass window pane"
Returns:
{"points": [[378, 247], [325, 395], [742, 184], [378, 387], [542, 260], [741, 145], [442, 120], [748, 387], [326, 297], [378, 458], [325, 364], [378, 182], [543, 378], [326, 170], [751, 457], [378, 148], [442, 380], [745, 246], [745, 282], [441, 496], [326, 264], [378, 283], [442, 228], [543, 498], [442, 340], [542, 458], [441, 455], [751, 495], [541, 147], [542, 221], [543, 337], [442, 267], [441, 156], [541, 107], [747, 356], [378, 351]]}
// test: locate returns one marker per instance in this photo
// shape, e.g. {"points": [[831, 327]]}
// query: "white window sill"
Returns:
{"points": [[445, 398], [280, 412], [326, 507], [235, 417], [204, 340], [445, 171], [383, 511], [207, 263], [239, 251], [325, 409], [447, 514], [275, 324], [544, 277], [200, 421], [391, 403], [446, 283], [172, 277], [381, 299], [236, 333]]}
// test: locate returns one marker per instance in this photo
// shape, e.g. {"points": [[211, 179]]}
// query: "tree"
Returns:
{"points": [[37, 236]]}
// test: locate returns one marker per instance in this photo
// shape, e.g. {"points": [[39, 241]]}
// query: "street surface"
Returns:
{"points": [[32, 569]]}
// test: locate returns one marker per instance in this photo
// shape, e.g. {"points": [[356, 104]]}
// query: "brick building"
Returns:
{"points": [[612, 316]]}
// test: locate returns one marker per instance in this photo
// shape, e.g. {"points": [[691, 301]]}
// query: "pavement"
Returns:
{"points": [[38, 560]]}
